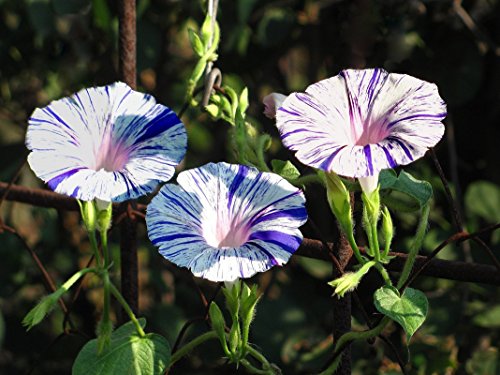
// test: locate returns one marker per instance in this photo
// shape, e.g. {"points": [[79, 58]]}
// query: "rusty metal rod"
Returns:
{"points": [[128, 227], [310, 248]]}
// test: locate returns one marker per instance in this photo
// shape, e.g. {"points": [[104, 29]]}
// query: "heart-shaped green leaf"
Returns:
{"points": [[409, 310], [415, 193], [128, 353]]}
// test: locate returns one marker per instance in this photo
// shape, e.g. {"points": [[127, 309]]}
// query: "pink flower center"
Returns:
{"points": [[371, 134], [111, 155], [225, 233]]}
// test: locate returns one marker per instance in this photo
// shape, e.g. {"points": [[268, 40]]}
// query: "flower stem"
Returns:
{"points": [[417, 244], [95, 248], [351, 336], [105, 276], [258, 356], [383, 272], [355, 248], [114, 290], [376, 247], [260, 153], [73, 279], [191, 345], [253, 370]]}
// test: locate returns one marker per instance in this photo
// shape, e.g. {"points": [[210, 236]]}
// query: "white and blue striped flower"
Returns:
{"points": [[111, 143], [226, 221], [362, 121]]}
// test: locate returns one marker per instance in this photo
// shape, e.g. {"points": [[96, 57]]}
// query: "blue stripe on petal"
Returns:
{"points": [[54, 182], [389, 158], [402, 145], [285, 241], [325, 164], [368, 154], [295, 213], [235, 184]]}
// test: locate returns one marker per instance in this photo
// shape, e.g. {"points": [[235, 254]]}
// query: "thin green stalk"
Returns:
{"points": [[95, 248], [383, 272], [253, 370], [105, 277], [417, 244], [351, 336], [73, 279], [258, 356], [355, 248], [114, 290], [376, 247], [191, 345], [261, 158]]}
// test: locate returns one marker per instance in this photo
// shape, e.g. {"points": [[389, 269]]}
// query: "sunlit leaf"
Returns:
{"points": [[409, 310], [128, 353]]}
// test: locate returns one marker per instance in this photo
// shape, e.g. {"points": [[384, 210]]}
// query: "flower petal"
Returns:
{"points": [[227, 221], [110, 143], [362, 121]]}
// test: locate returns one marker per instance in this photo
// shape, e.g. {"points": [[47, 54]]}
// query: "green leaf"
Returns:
{"points": [[416, 193], [285, 169], [243, 101], [245, 9], [482, 199], [206, 29], [484, 361], [196, 42], [490, 318], [102, 14], [128, 353], [409, 310]]}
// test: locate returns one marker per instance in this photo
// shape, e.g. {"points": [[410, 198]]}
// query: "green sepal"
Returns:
{"points": [[196, 43], [371, 213], [235, 341], [89, 214], [350, 280], [104, 215], [249, 299], [371, 203], [409, 309], [42, 309], [232, 294], [338, 199], [218, 325]]}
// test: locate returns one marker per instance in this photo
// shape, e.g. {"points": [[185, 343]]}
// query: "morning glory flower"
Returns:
{"points": [[361, 122], [227, 221], [106, 143]]}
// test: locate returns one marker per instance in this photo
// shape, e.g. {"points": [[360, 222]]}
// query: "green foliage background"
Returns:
{"points": [[52, 48]]}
